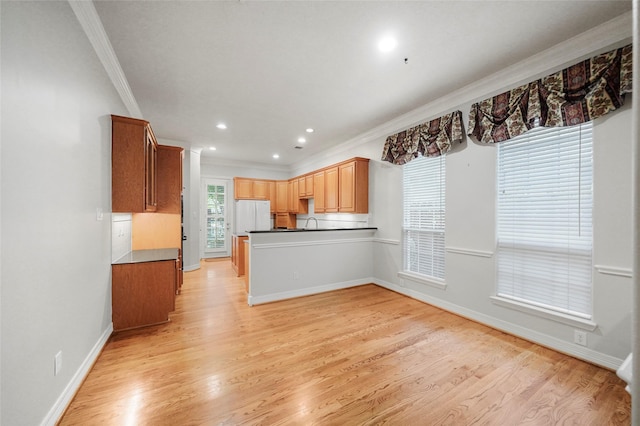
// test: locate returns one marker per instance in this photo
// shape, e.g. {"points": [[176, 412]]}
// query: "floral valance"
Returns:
{"points": [[429, 139], [575, 95]]}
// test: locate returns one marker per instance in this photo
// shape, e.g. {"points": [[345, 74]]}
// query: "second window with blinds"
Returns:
{"points": [[424, 221], [544, 223]]}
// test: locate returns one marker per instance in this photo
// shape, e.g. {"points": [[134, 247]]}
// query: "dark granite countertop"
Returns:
{"points": [[152, 255], [311, 230]]}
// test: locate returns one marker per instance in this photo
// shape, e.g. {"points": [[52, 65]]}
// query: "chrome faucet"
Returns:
{"points": [[306, 224]]}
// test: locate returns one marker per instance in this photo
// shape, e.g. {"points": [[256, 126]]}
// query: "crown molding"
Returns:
{"points": [[88, 17], [225, 162], [608, 35]]}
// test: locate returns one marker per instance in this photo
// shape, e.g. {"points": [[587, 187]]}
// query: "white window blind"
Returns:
{"points": [[424, 216], [544, 219]]}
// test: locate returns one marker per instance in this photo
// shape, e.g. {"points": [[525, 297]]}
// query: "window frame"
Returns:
{"points": [[436, 234], [530, 142]]}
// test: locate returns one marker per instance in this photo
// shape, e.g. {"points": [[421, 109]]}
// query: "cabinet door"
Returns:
{"points": [[150, 172], [282, 196], [273, 196], [243, 188], [309, 186], [346, 179], [142, 293], [331, 190], [302, 192], [169, 179], [318, 192], [260, 190], [293, 196], [354, 186]]}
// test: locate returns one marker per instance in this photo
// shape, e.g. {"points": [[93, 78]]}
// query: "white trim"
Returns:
{"points": [[545, 313], [422, 279], [556, 344], [613, 270], [274, 297], [54, 414], [311, 243], [189, 268], [469, 252], [386, 241], [88, 17]]}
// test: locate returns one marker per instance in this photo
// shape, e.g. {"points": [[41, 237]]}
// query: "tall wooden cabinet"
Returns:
{"points": [[134, 166], [169, 179]]}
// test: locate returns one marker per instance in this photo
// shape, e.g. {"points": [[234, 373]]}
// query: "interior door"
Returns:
{"points": [[216, 228]]}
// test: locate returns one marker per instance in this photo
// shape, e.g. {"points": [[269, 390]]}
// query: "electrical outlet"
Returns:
{"points": [[580, 337], [57, 363]]}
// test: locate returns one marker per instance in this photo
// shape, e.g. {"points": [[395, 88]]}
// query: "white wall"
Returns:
{"points": [[470, 228], [191, 210], [56, 149]]}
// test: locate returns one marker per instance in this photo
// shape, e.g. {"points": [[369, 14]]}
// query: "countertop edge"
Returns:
{"points": [[276, 231], [149, 255]]}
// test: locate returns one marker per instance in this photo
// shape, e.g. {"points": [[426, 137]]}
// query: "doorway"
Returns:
{"points": [[216, 229]]}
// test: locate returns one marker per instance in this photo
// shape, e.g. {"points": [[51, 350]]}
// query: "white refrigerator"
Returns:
{"points": [[252, 215]]}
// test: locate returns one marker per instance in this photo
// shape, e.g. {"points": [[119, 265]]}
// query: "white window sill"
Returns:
{"points": [[423, 279], [584, 324]]}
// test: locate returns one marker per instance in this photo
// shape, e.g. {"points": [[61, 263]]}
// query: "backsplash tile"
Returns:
{"points": [[120, 235]]}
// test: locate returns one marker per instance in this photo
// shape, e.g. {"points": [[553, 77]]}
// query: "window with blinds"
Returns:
{"points": [[544, 219], [424, 216]]}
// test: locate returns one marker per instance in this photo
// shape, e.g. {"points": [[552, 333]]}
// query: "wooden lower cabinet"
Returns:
{"points": [[237, 254], [143, 293]]}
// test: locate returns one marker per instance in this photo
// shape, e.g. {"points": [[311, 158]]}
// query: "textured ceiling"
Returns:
{"points": [[271, 69]]}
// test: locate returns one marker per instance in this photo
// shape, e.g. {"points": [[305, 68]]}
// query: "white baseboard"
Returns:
{"points": [[274, 297], [189, 268], [72, 387], [559, 345]]}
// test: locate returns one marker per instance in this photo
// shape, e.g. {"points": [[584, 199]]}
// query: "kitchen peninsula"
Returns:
{"points": [[298, 262]]}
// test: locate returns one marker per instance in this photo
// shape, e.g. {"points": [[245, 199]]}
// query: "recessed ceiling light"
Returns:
{"points": [[276, 156], [302, 140], [309, 130], [221, 126], [387, 43], [212, 148]]}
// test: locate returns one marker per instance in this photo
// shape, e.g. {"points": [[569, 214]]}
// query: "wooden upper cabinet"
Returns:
{"points": [[261, 189], [251, 189], [331, 190], [305, 186], [296, 204], [282, 196], [169, 179], [353, 178], [318, 192], [273, 196], [133, 166], [293, 196], [243, 188], [309, 186]]}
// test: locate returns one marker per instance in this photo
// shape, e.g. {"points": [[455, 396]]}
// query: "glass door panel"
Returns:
{"points": [[216, 232]]}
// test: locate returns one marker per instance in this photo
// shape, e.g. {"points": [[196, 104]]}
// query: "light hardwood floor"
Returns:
{"points": [[358, 356]]}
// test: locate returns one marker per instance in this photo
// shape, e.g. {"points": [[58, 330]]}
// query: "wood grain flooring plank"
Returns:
{"points": [[358, 356]]}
